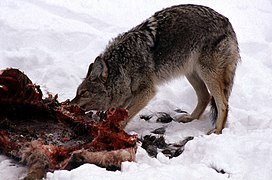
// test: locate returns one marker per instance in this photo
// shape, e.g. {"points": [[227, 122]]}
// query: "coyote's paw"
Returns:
{"points": [[214, 131], [185, 118]]}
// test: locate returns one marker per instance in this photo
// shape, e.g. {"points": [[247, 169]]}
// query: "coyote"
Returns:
{"points": [[190, 40]]}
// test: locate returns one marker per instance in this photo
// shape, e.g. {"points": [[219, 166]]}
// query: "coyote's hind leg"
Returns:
{"points": [[203, 98]]}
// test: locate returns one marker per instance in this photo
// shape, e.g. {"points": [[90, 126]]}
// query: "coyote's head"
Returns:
{"points": [[92, 93]]}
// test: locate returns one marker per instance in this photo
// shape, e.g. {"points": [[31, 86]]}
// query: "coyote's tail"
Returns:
{"points": [[214, 111]]}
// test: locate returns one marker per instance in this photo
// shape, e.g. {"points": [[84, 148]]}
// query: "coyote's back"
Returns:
{"points": [[189, 40]]}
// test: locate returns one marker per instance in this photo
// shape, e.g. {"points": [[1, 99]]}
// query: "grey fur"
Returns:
{"points": [[190, 40]]}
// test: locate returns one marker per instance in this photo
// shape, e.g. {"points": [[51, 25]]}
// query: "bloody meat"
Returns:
{"points": [[48, 135]]}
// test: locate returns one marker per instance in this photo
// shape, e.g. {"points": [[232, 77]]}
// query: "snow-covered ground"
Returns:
{"points": [[53, 42]]}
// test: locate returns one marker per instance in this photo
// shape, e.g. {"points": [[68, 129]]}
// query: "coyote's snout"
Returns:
{"points": [[189, 40]]}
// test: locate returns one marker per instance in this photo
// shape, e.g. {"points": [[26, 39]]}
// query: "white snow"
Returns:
{"points": [[53, 42]]}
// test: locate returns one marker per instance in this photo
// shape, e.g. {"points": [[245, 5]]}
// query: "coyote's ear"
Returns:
{"points": [[99, 70], [89, 70]]}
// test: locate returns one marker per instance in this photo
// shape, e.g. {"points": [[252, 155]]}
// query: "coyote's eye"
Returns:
{"points": [[84, 92]]}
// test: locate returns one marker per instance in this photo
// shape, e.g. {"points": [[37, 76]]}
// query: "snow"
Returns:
{"points": [[53, 42]]}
